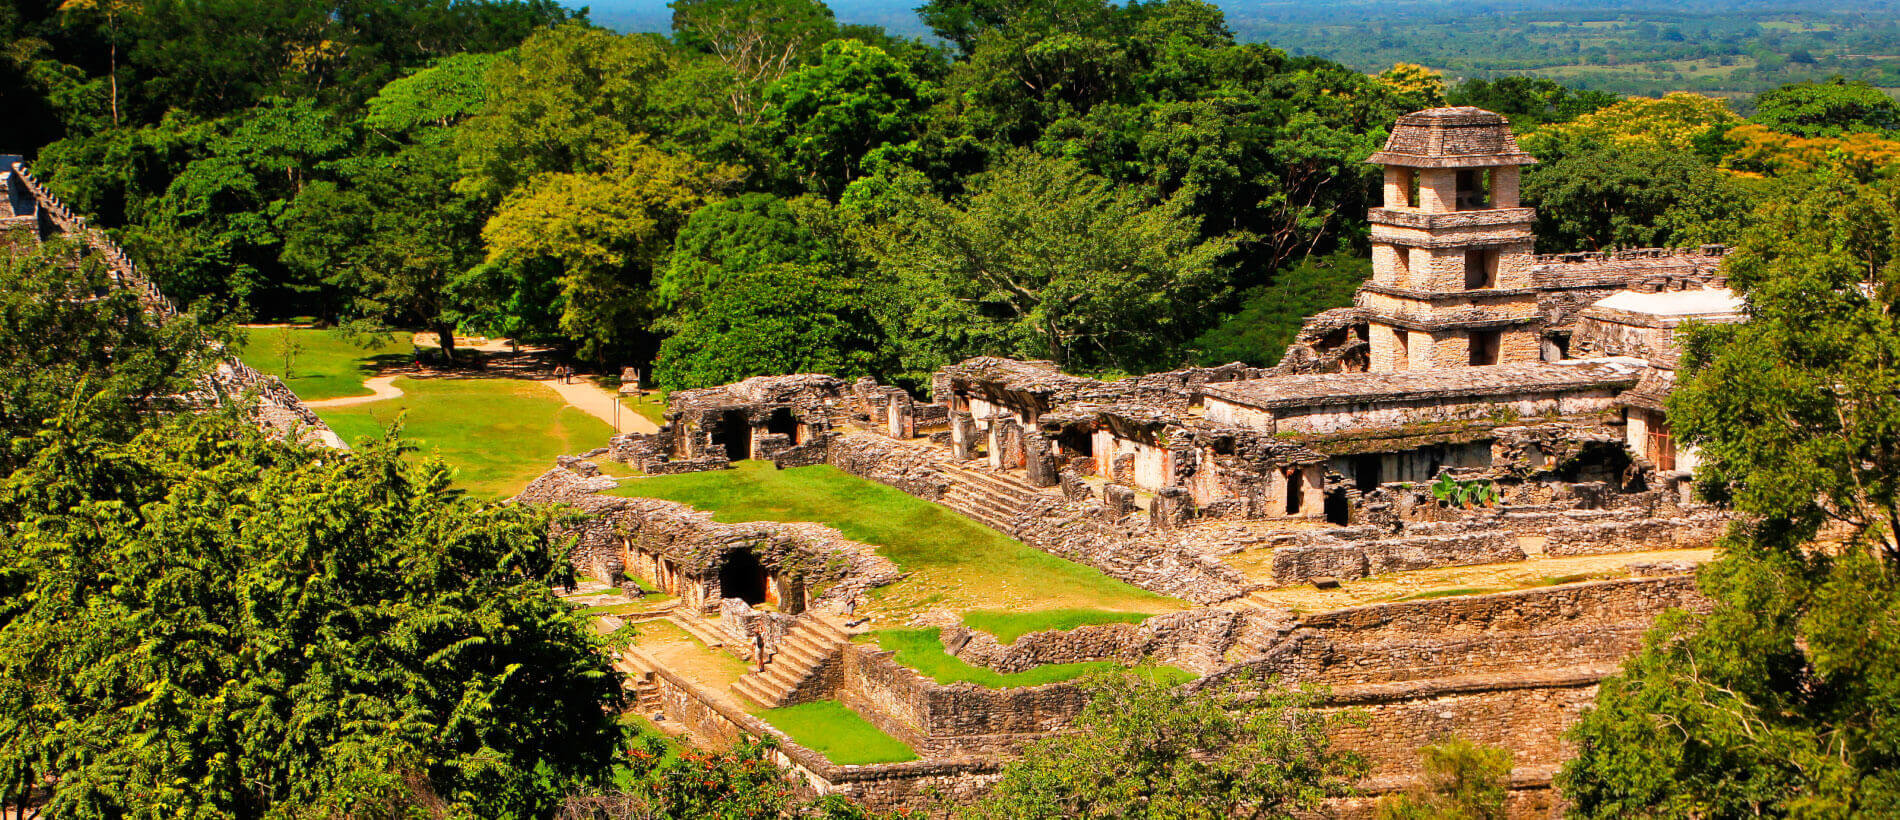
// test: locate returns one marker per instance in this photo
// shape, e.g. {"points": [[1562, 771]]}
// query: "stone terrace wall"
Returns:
{"points": [[1130, 549], [952, 720], [818, 554], [1198, 640]]}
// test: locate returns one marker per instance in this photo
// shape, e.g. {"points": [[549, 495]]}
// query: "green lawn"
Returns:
{"points": [[954, 563], [498, 433], [324, 365], [844, 737], [1008, 625], [922, 650]]}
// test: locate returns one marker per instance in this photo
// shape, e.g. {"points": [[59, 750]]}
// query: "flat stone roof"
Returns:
{"points": [[1414, 385], [1679, 303]]}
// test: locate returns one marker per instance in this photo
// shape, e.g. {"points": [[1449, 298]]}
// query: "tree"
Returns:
{"points": [[1417, 81], [757, 41], [607, 232], [1044, 260], [1271, 315], [560, 104], [1677, 122], [1529, 101], [1632, 196], [1782, 702], [1828, 109], [198, 620], [1142, 748], [1463, 781], [828, 116]]}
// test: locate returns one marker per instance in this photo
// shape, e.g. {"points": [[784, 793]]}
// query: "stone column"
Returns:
{"points": [[1117, 502], [962, 435], [1173, 507], [1006, 443], [900, 421], [1039, 465]]}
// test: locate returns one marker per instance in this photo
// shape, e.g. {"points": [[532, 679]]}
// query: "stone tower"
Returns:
{"points": [[1451, 249]]}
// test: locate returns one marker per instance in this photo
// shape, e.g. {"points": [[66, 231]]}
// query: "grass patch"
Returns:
{"points": [[324, 364], [844, 737], [497, 433], [922, 650], [1008, 625], [955, 563]]}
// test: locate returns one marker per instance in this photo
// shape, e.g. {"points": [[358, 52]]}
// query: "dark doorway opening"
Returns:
{"points": [[782, 423], [1367, 472], [1338, 508], [736, 435], [1481, 268], [1484, 347], [741, 577], [1076, 441], [1295, 492]]}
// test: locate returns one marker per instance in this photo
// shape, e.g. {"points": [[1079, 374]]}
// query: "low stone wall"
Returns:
{"points": [[957, 719], [1198, 640], [917, 785], [880, 460]]}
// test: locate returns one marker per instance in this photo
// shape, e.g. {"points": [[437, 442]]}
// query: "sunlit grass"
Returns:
{"points": [[324, 363]]}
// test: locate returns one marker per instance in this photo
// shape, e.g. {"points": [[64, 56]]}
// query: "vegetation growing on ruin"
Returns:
{"points": [[844, 737], [1008, 625], [922, 650], [953, 562]]}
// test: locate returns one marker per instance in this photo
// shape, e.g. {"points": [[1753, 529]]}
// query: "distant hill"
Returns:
{"points": [[1732, 48]]}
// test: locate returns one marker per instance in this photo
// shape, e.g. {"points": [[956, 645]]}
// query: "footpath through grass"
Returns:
{"points": [[922, 650], [499, 434], [955, 563], [844, 737], [323, 364]]}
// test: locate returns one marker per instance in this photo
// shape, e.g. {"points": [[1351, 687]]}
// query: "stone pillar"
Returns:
{"points": [[900, 418], [1117, 502], [1173, 507], [1123, 469], [1039, 465], [962, 435], [1074, 488], [1006, 443]]}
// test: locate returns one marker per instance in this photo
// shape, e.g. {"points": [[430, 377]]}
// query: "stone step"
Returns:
{"points": [[698, 628], [986, 506], [750, 689], [991, 479], [980, 483]]}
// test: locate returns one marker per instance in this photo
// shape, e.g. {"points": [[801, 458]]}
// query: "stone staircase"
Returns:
{"points": [[638, 680], [799, 655], [996, 500], [697, 627]]}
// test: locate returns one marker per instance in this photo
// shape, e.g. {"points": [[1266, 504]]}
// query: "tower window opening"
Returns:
{"points": [[1481, 268], [1484, 347], [1401, 350], [1474, 189]]}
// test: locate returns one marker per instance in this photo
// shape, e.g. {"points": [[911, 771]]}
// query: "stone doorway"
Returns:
{"points": [[742, 577]]}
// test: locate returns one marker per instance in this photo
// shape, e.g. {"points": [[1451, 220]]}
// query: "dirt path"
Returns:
{"points": [[381, 387], [602, 404]]}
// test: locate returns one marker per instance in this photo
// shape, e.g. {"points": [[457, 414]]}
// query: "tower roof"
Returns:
{"points": [[1459, 137]]}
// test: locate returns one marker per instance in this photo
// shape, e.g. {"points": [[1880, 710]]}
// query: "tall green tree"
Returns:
{"points": [[1633, 196], [1785, 700], [1044, 260], [854, 100], [1146, 749], [1827, 109]]}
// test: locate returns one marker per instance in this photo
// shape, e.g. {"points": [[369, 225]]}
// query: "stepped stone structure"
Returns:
{"points": [[29, 213], [1467, 361]]}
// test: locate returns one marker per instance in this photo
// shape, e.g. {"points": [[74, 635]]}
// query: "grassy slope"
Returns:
{"points": [[325, 366], [1008, 625], [922, 650], [955, 563], [841, 735], [498, 433]]}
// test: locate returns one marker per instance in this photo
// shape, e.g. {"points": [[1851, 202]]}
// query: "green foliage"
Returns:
{"points": [[1632, 196], [1528, 101], [1477, 492], [1145, 748], [841, 735], [830, 115], [1044, 260], [750, 290], [1270, 315], [1463, 781], [1827, 109], [329, 363], [1782, 701]]}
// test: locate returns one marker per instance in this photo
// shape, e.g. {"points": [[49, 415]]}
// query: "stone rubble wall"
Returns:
{"points": [[1197, 640]]}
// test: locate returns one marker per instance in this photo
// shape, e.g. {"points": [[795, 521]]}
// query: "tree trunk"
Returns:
{"points": [[445, 336]]}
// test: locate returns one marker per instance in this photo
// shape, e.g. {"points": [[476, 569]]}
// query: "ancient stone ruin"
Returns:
{"points": [[1480, 405]]}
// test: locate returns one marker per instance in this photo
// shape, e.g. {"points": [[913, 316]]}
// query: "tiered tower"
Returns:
{"points": [[1451, 250]]}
